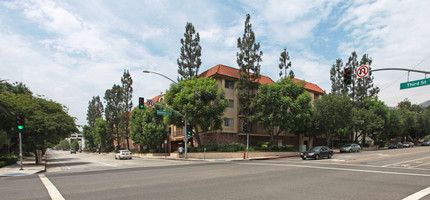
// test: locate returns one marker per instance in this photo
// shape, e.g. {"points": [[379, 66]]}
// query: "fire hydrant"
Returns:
{"points": [[244, 155]]}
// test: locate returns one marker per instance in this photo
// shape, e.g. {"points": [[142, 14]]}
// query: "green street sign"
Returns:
{"points": [[416, 83], [164, 112]]}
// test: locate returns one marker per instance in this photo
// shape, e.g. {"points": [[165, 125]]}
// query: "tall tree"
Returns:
{"points": [[283, 106], [127, 92], [88, 134], [333, 114], [147, 127], [102, 137], [248, 60], [284, 64], [95, 110], [361, 88], [114, 110], [201, 101], [338, 87], [189, 60]]}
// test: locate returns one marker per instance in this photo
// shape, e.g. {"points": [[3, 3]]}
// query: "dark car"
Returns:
{"points": [[72, 151], [317, 152], [395, 145]]}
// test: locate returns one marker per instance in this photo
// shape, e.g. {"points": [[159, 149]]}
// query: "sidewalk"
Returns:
{"points": [[28, 167]]}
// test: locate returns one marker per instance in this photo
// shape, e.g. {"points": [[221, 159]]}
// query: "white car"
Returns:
{"points": [[123, 154]]}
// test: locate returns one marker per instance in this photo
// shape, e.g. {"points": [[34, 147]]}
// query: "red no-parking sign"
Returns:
{"points": [[362, 71], [150, 103]]}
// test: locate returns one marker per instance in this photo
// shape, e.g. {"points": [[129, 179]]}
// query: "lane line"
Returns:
{"points": [[391, 155], [340, 169], [418, 195], [52, 190], [406, 161]]}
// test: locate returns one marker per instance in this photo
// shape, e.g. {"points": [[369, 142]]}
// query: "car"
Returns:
{"points": [[395, 145], [72, 151], [426, 143], [350, 148], [123, 154], [317, 152], [408, 144]]}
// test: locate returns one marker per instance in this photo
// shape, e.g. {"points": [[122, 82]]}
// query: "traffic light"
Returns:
{"points": [[189, 131], [245, 127], [20, 122], [347, 74], [141, 103]]}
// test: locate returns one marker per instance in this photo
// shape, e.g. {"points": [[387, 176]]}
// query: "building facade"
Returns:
{"points": [[226, 78]]}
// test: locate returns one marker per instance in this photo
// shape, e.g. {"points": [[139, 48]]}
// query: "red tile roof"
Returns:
{"points": [[233, 73]]}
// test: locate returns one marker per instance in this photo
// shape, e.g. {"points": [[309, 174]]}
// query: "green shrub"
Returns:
{"points": [[9, 159], [2, 164]]}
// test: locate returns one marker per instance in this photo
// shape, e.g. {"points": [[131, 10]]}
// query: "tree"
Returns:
{"points": [[285, 63], [127, 91], [102, 138], [333, 114], [395, 125], [283, 106], [75, 144], [248, 60], [361, 88], [147, 127], [370, 118], [201, 101], [189, 60], [338, 87], [95, 110], [113, 111], [46, 122], [88, 134]]}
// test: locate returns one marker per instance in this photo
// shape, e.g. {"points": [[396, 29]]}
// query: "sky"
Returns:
{"points": [[70, 51]]}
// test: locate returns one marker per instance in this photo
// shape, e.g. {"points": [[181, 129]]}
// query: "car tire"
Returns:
{"points": [[350, 151], [329, 156], [317, 157], [304, 158], [116, 158]]}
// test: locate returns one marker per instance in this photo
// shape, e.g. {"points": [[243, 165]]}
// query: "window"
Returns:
{"points": [[228, 122], [231, 103], [229, 84]]}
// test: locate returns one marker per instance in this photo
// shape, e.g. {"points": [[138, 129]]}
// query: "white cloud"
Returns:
{"points": [[71, 51]]}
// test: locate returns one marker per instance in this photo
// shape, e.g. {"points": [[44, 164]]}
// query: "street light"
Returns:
{"points": [[185, 118], [150, 72]]}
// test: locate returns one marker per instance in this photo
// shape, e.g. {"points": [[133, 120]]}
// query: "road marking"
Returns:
{"points": [[341, 169], [418, 195], [392, 155], [55, 157], [406, 161], [52, 190], [107, 164]]}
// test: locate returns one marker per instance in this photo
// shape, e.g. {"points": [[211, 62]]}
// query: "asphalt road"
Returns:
{"points": [[387, 174]]}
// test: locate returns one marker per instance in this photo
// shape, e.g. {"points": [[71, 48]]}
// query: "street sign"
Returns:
{"points": [[362, 71], [164, 112], [416, 83], [150, 103]]}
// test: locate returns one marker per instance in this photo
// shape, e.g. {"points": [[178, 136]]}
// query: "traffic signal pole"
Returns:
{"points": [[20, 151]]}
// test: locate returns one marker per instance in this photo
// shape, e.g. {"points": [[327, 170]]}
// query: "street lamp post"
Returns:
{"points": [[185, 118]]}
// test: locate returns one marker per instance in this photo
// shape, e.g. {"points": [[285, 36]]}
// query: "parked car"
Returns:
{"points": [[317, 152], [426, 143], [72, 151], [350, 148], [395, 145], [408, 144], [123, 154]]}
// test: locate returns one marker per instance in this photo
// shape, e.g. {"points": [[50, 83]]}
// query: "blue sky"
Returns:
{"points": [[70, 51]]}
